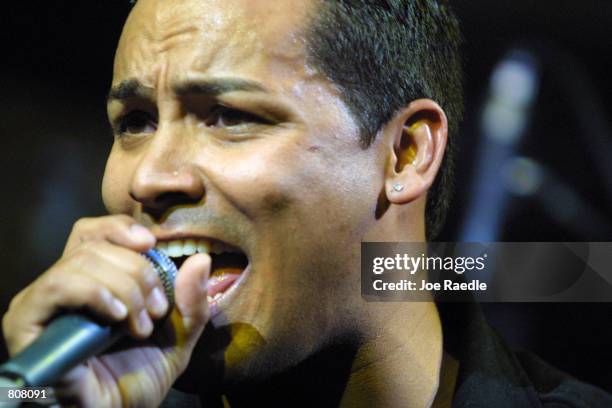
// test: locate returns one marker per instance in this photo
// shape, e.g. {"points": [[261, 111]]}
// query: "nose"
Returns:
{"points": [[165, 178]]}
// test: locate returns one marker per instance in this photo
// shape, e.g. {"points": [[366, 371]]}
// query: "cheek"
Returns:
{"points": [[304, 179], [299, 195], [115, 189], [265, 180]]}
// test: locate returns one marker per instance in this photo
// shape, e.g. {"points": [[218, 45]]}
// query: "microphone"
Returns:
{"points": [[72, 338]]}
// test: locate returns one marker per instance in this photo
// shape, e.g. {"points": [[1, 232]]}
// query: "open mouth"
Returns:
{"points": [[228, 262]]}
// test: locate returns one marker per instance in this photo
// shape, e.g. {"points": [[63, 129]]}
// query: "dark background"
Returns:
{"points": [[57, 66]]}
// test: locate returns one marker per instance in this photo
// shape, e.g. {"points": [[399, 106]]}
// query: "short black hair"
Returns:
{"points": [[383, 54]]}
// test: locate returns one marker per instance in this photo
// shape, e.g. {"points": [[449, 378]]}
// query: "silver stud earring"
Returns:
{"points": [[397, 187]]}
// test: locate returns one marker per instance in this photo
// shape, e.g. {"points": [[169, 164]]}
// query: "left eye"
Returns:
{"points": [[136, 122], [222, 116]]}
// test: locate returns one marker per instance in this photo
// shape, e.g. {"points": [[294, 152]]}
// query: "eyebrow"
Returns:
{"points": [[133, 88], [129, 89], [215, 87]]}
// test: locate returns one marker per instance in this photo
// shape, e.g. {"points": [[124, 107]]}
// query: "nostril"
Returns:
{"points": [[172, 198], [159, 189], [158, 206]]}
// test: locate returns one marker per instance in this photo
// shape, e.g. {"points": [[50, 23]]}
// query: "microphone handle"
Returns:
{"points": [[71, 339], [66, 342]]}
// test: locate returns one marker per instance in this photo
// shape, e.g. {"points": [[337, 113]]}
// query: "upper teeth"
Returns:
{"points": [[186, 247]]}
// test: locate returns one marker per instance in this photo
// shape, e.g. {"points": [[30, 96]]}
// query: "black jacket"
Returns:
{"points": [[491, 375]]}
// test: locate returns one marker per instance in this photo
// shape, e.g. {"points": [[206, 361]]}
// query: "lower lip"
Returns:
{"points": [[216, 306]]}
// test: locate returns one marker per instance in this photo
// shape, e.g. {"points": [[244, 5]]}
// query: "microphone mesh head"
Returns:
{"points": [[165, 268]]}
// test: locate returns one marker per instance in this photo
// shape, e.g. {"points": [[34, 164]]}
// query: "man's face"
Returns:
{"points": [[274, 168]]}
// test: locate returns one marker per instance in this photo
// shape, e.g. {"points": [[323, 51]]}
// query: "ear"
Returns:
{"points": [[417, 137]]}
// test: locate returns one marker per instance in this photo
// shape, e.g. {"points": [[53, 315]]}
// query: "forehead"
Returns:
{"points": [[177, 38]]}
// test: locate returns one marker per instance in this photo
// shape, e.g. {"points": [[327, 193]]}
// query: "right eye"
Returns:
{"points": [[136, 122]]}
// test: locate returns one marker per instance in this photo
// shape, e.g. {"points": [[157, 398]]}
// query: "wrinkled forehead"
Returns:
{"points": [[212, 36]]}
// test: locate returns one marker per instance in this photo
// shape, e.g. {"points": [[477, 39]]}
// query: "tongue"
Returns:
{"points": [[226, 268], [221, 279]]}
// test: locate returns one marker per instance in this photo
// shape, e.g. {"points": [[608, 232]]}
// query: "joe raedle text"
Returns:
{"points": [[425, 285]]}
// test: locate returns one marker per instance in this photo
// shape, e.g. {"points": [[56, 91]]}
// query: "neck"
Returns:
{"points": [[397, 365], [400, 365]]}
